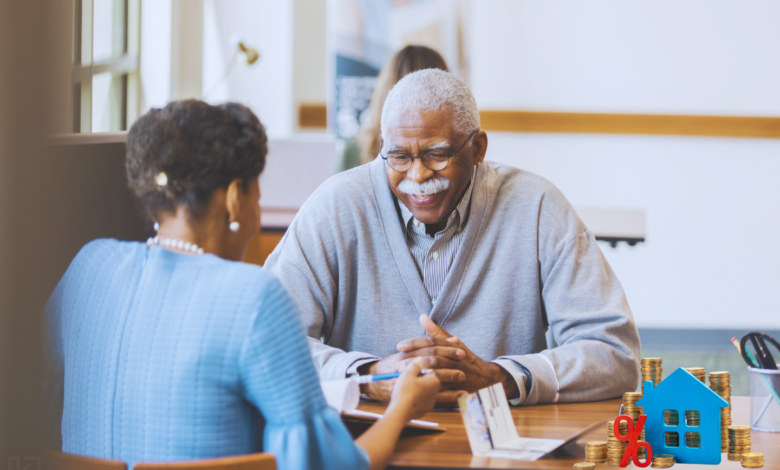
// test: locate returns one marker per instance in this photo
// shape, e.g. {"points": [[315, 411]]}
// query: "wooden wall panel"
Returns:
{"points": [[314, 116], [651, 124], [262, 246]]}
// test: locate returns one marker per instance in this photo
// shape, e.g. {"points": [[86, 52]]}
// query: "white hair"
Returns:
{"points": [[433, 89]]}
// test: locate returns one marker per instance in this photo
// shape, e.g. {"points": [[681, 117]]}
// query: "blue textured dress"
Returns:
{"points": [[159, 356]]}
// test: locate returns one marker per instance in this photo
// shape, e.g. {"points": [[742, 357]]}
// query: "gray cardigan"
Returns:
{"points": [[526, 262]]}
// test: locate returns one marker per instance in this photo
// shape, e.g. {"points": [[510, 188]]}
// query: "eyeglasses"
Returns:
{"points": [[435, 160]]}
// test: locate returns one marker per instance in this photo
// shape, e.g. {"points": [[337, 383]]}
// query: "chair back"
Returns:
{"points": [[53, 460], [241, 462]]}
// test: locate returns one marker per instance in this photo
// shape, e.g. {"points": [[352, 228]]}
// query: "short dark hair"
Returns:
{"points": [[198, 147]]}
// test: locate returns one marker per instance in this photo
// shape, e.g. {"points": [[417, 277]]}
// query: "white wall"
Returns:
{"points": [[266, 87], [156, 59], [666, 56]]}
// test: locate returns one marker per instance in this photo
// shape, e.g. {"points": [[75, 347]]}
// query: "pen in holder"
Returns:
{"points": [[764, 399]]}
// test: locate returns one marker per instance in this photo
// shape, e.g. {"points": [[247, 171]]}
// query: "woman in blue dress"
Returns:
{"points": [[175, 350]]}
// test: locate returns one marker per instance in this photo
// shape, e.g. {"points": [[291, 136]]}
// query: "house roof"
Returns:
{"points": [[683, 386]]}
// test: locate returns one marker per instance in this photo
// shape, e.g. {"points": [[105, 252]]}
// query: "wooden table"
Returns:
{"points": [[450, 449]]}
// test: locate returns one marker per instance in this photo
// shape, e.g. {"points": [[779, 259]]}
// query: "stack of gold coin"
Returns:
{"points": [[651, 370], [753, 460], [629, 405], [663, 461], [692, 418], [615, 447], [698, 372], [739, 442], [672, 439], [671, 418], [720, 382], [596, 451], [693, 439], [584, 466]]}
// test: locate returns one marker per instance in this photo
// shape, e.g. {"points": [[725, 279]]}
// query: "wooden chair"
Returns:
{"points": [[53, 460], [241, 462]]}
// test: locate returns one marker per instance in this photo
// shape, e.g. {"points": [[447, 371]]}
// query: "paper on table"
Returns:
{"points": [[368, 414], [344, 397], [492, 432]]}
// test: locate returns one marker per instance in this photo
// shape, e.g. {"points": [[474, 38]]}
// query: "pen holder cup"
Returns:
{"points": [[764, 399]]}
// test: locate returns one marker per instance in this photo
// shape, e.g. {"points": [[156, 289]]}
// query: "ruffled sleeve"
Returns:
{"points": [[279, 378]]}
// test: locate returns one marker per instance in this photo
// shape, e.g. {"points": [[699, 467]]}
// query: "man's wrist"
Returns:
{"points": [[508, 382], [366, 369]]}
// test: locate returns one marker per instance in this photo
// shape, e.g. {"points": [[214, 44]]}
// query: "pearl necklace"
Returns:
{"points": [[174, 243]]}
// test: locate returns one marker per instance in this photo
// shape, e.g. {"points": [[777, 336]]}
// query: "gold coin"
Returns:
{"points": [[584, 466], [753, 455], [739, 442], [596, 444]]}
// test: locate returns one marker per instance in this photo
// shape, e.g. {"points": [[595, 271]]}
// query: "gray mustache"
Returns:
{"points": [[431, 186]]}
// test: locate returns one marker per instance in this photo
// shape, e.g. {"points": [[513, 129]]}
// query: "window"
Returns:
{"points": [[693, 440], [105, 64], [672, 439], [671, 418], [692, 418]]}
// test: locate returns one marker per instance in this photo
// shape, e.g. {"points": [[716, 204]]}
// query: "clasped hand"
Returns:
{"points": [[459, 370]]}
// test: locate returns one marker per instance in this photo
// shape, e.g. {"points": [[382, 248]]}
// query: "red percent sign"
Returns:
{"points": [[632, 436]]}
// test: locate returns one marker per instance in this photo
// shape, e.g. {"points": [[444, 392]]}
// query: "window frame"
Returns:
{"points": [[84, 68]]}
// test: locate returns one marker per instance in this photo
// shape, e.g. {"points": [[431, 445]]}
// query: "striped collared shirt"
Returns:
{"points": [[433, 255]]}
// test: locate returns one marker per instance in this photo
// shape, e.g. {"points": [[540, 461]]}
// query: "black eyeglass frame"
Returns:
{"points": [[423, 158]]}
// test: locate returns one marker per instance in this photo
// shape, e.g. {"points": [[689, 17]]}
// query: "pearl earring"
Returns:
{"points": [[156, 226], [234, 226]]}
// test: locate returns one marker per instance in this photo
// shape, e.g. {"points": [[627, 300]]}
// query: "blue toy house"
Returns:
{"points": [[670, 430]]}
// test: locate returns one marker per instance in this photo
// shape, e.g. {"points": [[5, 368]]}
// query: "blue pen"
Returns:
{"points": [[367, 379]]}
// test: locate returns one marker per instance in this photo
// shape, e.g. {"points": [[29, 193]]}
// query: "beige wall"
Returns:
{"points": [[309, 54]]}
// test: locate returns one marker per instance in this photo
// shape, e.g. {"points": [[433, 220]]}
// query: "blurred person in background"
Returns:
{"points": [[175, 350], [409, 59]]}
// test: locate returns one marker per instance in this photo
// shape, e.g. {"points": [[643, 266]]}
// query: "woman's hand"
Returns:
{"points": [[414, 393]]}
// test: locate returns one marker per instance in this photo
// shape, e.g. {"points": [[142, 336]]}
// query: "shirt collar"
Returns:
{"points": [[458, 216]]}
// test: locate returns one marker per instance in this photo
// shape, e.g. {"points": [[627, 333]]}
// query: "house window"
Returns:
{"points": [[671, 418], [105, 71], [693, 440], [692, 418], [672, 439]]}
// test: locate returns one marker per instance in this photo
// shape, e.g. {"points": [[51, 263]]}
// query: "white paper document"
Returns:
{"points": [[492, 432], [344, 397]]}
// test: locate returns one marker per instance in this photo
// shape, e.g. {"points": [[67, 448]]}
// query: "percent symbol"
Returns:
{"points": [[632, 436]]}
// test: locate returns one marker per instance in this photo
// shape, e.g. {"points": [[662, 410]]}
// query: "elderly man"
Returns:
{"points": [[431, 251]]}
